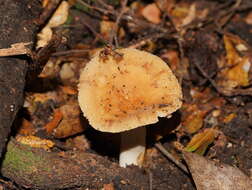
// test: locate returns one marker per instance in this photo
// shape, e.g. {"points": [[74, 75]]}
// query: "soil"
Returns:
{"points": [[197, 68]]}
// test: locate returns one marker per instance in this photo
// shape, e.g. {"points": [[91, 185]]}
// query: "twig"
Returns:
{"points": [[228, 93], [71, 52], [16, 49], [215, 18], [238, 92], [150, 179], [178, 34], [101, 10], [181, 166], [96, 33], [207, 77], [117, 23], [48, 12], [144, 41], [105, 5], [230, 13]]}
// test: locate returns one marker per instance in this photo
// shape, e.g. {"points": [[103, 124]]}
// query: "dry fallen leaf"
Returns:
{"points": [[45, 3], [179, 13], [109, 186], [58, 18], [185, 13], [191, 15], [26, 128], [236, 67], [44, 37], [57, 117], [107, 28], [71, 122], [35, 142], [68, 90], [214, 176], [248, 19], [201, 141], [173, 58], [152, 13], [194, 119], [229, 117]]}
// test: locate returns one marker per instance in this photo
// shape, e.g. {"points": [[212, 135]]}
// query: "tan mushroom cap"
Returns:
{"points": [[126, 90]]}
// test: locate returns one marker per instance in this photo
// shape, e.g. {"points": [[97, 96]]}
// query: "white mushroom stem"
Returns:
{"points": [[132, 147]]}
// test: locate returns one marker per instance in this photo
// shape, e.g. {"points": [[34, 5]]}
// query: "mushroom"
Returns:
{"points": [[123, 91]]}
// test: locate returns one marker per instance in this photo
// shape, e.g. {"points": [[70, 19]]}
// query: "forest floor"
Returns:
{"points": [[207, 45]]}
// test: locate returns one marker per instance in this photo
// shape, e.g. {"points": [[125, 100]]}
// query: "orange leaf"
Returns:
{"points": [[26, 128], [57, 117], [194, 121], [109, 186], [35, 142], [201, 141], [229, 117], [68, 90]]}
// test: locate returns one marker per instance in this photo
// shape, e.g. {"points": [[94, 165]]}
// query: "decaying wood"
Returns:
{"points": [[38, 169], [16, 26]]}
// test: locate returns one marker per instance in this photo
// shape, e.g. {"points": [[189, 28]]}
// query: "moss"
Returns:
{"points": [[23, 159]]}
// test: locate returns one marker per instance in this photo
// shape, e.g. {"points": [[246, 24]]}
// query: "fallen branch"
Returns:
{"points": [[37, 169], [170, 157]]}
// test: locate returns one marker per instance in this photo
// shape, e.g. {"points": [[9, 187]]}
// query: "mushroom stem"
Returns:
{"points": [[132, 147]]}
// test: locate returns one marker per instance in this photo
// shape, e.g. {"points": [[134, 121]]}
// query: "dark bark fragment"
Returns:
{"points": [[15, 26]]}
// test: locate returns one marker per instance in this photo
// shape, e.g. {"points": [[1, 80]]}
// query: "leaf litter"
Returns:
{"points": [[204, 47]]}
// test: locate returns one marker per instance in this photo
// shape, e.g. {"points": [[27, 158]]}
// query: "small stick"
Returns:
{"points": [[104, 11], [96, 33], [181, 166], [16, 49], [144, 41], [117, 23], [48, 12]]}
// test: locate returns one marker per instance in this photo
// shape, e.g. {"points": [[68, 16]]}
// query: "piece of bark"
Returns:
{"points": [[16, 26], [211, 175], [37, 169]]}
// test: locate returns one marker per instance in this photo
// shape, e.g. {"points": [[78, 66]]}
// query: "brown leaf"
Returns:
{"points": [[79, 142], [26, 128], [71, 122], [58, 18], [152, 13], [191, 15], [248, 19], [109, 186], [211, 175]]}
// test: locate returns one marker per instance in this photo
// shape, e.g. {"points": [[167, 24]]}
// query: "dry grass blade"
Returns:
{"points": [[181, 166]]}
